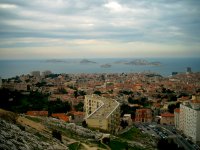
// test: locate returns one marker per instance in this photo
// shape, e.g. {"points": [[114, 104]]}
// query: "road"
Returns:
{"points": [[163, 131]]}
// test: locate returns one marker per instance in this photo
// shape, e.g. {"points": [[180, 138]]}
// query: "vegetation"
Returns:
{"points": [[133, 134], [34, 119], [57, 134], [79, 93], [118, 144], [172, 107], [123, 124], [74, 146], [17, 102], [125, 92], [58, 107], [62, 90], [164, 144], [97, 92], [79, 106], [125, 109]]}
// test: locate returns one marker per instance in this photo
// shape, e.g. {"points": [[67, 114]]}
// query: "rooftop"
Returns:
{"points": [[167, 115], [105, 109], [177, 110]]}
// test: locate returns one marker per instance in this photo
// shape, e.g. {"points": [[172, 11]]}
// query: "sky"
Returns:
{"points": [[32, 29]]}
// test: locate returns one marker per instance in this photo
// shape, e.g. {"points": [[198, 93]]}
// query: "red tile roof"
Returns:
{"points": [[167, 115], [77, 113], [177, 110], [37, 113], [61, 116]]}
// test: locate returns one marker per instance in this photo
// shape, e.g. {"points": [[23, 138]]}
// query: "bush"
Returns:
{"points": [[57, 134]]}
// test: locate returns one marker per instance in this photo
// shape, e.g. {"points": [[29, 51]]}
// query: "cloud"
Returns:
{"points": [[108, 24]]}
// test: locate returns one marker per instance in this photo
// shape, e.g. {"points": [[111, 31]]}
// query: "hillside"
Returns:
{"points": [[28, 132]]}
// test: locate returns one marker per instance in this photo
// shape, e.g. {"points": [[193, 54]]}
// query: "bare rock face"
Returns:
{"points": [[13, 138]]}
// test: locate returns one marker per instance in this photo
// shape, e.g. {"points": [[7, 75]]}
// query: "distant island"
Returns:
{"points": [[86, 61], [55, 61], [105, 66], [139, 62]]}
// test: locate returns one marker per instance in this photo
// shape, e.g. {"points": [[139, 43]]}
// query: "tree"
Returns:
{"points": [[62, 90], [84, 124], [57, 134], [123, 124], [131, 100], [58, 107], [164, 144], [79, 106], [97, 92], [172, 107], [106, 140]]}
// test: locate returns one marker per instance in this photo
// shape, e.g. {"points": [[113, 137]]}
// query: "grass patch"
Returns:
{"points": [[42, 137], [34, 119], [74, 146], [133, 134], [115, 144]]}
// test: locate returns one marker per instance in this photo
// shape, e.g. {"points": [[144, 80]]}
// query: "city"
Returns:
{"points": [[164, 108], [99, 75]]}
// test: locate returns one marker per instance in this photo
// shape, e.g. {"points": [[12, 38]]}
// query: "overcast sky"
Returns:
{"points": [[99, 28]]}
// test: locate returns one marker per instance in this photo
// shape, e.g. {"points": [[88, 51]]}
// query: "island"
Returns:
{"points": [[139, 62], [86, 61], [105, 66]]}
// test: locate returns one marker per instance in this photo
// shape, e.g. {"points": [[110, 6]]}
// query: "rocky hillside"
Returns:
{"points": [[28, 132], [14, 136]]}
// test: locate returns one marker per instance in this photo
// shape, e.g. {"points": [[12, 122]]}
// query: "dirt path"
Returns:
{"points": [[35, 125]]}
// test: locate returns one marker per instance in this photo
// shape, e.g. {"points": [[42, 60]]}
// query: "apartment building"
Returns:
{"points": [[143, 115], [176, 118], [189, 121], [102, 113], [167, 119]]}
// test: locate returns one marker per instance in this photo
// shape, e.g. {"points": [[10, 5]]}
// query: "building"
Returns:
{"points": [[102, 113], [61, 116], [35, 73], [46, 73], [189, 119], [127, 118], [37, 113], [167, 119], [176, 117], [77, 116], [143, 115]]}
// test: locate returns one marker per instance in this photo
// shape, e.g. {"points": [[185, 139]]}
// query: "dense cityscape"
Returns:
{"points": [[163, 109]]}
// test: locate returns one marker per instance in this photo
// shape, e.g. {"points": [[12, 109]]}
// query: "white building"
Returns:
{"points": [[177, 118], [189, 121], [102, 113]]}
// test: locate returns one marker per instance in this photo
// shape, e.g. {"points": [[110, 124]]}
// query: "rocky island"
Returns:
{"points": [[86, 61], [105, 66], [142, 62]]}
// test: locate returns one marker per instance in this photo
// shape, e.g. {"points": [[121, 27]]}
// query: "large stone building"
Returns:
{"points": [[102, 113], [143, 115], [189, 121]]}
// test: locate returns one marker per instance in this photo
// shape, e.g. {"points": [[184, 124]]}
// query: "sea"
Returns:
{"points": [[12, 68]]}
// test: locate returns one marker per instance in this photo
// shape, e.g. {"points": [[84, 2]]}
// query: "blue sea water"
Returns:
{"points": [[11, 68]]}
